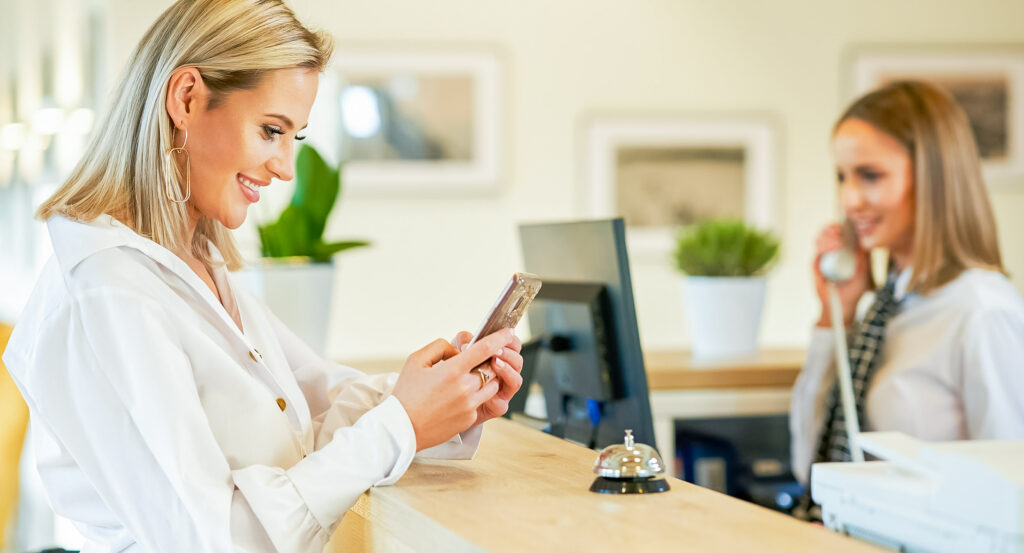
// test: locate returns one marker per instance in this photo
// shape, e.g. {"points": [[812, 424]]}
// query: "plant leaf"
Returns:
{"points": [[316, 188], [724, 248], [289, 236], [299, 229], [323, 252]]}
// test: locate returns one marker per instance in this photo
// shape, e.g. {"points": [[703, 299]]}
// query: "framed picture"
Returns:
{"points": [[988, 82], [660, 173], [411, 120]]}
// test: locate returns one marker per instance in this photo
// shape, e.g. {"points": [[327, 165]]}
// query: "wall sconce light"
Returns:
{"points": [[48, 121], [29, 142], [13, 136], [79, 122]]}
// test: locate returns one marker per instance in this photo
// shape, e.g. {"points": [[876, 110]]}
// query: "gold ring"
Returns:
{"points": [[483, 377]]}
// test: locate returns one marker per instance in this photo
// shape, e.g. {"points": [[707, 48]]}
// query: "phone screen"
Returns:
{"points": [[521, 289]]}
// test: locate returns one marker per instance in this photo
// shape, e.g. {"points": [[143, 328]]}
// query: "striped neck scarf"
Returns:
{"points": [[865, 352]]}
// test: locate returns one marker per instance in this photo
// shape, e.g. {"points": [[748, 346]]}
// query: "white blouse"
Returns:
{"points": [[952, 368], [158, 425]]}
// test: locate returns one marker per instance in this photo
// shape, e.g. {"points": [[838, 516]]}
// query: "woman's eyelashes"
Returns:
{"points": [[270, 132], [869, 175], [864, 174]]}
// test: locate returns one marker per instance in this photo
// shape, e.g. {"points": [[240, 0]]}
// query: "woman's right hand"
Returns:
{"points": [[438, 391], [850, 291]]}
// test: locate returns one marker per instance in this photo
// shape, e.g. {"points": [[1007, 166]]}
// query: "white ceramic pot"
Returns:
{"points": [[724, 314], [298, 292]]}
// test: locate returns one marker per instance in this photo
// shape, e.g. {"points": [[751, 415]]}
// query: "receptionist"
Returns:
{"points": [[940, 353]]}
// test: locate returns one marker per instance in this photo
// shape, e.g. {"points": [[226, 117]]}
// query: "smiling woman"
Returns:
{"points": [[187, 66], [237, 147], [937, 355], [171, 410]]}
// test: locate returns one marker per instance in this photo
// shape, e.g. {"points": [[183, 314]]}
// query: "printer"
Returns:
{"points": [[927, 497]]}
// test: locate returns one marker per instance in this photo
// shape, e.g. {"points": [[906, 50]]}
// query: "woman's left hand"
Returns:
{"points": [[507, 367]]}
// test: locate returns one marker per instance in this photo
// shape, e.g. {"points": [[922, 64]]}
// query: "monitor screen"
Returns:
{"points": [[585, 352]]}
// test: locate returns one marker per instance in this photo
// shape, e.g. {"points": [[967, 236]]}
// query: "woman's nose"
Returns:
{"points": [[851, 196], [282, 165]]}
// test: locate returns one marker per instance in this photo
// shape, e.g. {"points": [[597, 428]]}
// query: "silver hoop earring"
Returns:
{"points": [[188, 168]]}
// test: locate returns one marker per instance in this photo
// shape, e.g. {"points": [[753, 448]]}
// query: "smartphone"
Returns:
{"points": [[511, 304]]}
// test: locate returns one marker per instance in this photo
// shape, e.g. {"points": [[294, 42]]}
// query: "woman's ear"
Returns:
{"points": [[185, 94]]}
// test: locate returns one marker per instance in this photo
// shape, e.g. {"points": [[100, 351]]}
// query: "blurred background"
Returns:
{"points": [[457, 120]]}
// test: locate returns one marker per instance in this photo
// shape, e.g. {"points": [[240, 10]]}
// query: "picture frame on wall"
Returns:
{"points": [[660, 173], [987, 81], [411, 120]]}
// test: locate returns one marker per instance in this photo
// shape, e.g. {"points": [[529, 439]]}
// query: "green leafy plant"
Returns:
{"points": [[724, 248], [299, 231]]}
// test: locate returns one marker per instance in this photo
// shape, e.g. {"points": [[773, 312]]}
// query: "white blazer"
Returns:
{"points": [[952, 368], [159, 426]]}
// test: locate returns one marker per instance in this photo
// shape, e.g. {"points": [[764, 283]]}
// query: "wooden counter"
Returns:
{"points": [[682, 387], [678, 370], [527, 491]]}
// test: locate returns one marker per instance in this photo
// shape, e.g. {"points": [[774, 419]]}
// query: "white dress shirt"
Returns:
{"points": [[159, 425], [951, 368]]}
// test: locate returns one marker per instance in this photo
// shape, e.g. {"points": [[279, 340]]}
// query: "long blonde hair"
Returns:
{"points": [[954, 227], [232, 43]]}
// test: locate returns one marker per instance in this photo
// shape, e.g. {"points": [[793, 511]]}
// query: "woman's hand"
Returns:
{"points": [[440, 393], [850, 291], [507, 366]]}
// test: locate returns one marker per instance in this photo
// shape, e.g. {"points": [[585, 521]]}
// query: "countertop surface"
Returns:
{"points": [[528, 491]]}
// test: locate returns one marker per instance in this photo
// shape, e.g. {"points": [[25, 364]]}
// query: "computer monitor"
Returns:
{"points": [[586, 349]]}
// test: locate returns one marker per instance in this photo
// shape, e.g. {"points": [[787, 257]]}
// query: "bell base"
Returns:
{"points": [[629, 485]]}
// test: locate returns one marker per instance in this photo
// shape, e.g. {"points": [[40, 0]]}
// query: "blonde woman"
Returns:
{"points": [[171, 411], [940, 353]]}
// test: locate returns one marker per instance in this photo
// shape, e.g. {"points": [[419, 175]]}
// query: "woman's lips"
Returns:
{"points": [[866, 228], [250, 187]]}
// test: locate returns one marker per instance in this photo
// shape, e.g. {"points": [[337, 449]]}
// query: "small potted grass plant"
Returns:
{"points": [[723, 263], [296, 274]]}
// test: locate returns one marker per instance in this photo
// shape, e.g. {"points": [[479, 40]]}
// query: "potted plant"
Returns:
{"points": [[296, 275], [723, 288]]}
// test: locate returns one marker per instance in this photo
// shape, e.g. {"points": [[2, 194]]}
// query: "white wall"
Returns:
{"points": [[438, 261]]}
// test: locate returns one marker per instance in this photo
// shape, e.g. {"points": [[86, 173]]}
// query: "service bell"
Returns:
{"points": [[629, 467]]}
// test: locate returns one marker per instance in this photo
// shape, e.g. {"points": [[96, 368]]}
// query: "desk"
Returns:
{"points": [[527, 491], [682, 387]]}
